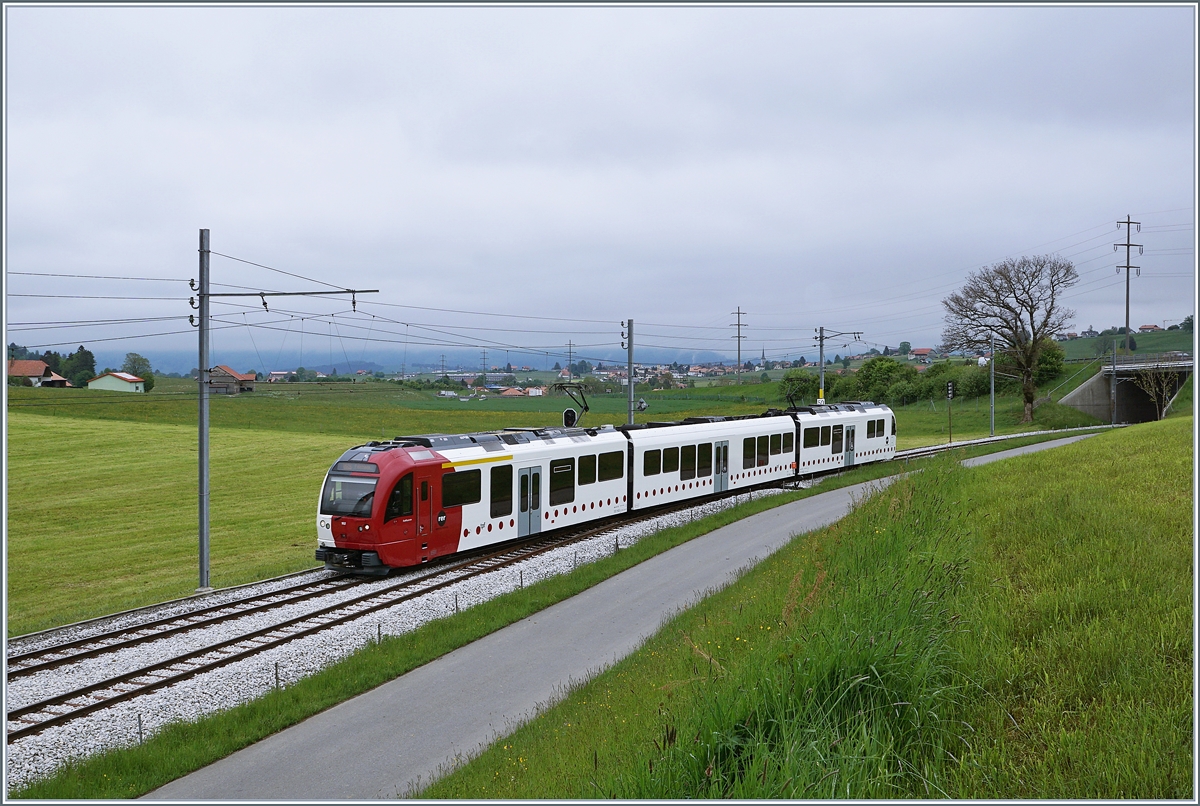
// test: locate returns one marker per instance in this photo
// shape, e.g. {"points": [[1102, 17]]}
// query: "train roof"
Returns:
{"points": [[499, 440]]}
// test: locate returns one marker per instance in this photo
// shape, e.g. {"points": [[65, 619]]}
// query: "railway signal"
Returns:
{"points": [[949, 414]]}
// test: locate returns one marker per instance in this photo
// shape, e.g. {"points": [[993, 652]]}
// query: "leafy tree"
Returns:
{"points": [[140, 366], [509, 380], [17, 352], [53, 360], [905, 348], [798, 384], [846, 362], [749, 366], [557, 366], [765, 378], [79, 367], [1186, 324], [1018, 300], [887, 350], [480, 382]]}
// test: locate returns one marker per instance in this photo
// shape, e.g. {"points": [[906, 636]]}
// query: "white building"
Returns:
{"points": [[117, 382]]}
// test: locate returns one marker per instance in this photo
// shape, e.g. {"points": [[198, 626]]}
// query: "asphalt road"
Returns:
{"points": [[404, 733]]}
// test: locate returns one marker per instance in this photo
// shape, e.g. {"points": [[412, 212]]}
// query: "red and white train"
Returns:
{"points": [[409, 500]]}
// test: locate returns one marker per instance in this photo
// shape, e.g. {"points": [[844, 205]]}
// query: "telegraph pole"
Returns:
{"points": [[202, 304], [821, 337], [628, 334], [570, 360], [202, 377], [485, 366], [1128, 234], [443, 365], [739, 314], [993, 374]]}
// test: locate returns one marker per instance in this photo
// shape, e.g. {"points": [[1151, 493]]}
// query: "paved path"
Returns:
{"points": [[382, 743]]}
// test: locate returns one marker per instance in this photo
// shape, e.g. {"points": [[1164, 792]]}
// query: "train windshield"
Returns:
{"points": [[348, 496]]}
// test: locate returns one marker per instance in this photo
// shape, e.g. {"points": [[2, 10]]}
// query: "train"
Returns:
{"points": [[402, 502]]}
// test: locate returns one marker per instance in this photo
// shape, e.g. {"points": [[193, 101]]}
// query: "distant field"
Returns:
{"points": [[1146, 343], [107, 518]]}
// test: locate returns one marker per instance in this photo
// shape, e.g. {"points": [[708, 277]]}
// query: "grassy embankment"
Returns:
{"points": [[1014, 631], [185, 747]]}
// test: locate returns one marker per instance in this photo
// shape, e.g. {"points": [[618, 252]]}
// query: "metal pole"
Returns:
{"points": [[1128, 235], [821, 362], [203, 381], [993, 368], [629, 324], [1113, 385]]}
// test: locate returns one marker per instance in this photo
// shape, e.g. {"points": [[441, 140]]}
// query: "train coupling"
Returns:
{"points": [[366, 563]]}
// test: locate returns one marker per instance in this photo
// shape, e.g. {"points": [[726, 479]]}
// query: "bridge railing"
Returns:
{"points": [[1174, 358]]}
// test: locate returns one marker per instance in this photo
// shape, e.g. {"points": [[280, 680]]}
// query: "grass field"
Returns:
{"points": [[1146, 343], [183, 747], [106, 516], [1015, 631]]}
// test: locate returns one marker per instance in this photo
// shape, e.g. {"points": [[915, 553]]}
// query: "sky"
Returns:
{"points": [[515, 179]]}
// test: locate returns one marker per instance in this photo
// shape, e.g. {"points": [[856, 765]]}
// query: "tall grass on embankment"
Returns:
{"points": [[1012, 631]]}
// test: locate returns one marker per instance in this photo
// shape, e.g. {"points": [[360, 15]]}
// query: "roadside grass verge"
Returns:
{"points": [[185, 747], [1012, 631]]}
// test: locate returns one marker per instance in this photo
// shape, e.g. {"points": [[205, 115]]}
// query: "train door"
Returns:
{"points": [[720, 467], [849, 445], [424, 510], [529, 501]]}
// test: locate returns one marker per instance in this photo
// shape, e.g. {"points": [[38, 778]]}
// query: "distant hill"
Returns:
{"points": [[1146, 343]]}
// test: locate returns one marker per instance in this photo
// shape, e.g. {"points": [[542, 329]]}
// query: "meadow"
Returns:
{"points": [[183, 747], [104, 483], [1020, 630]]}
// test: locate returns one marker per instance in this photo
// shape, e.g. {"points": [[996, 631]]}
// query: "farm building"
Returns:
{"points": [[117, 382], [37, 371], [224, 381]]}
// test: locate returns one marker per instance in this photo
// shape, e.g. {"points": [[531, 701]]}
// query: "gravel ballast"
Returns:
{"points": [[127, 723]]}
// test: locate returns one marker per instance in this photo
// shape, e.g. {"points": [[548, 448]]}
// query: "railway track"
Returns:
{"points": [[174, 667], [63, 707]]}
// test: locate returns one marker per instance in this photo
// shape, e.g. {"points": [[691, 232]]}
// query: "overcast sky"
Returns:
{"points": [[844, 167]]}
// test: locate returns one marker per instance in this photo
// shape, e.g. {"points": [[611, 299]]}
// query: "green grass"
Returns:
{"points": [[1014, 631], [1183, 403], [1146, 343], [184, 747], [103, 515]]}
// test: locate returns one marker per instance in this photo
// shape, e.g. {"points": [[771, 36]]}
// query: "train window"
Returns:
{"points": [[587, 469], [652, 463], [670, 460], [502, 491], [704, 460], [348, 496], [535, 489], [837, 439], [776, 444], [687, 462], [523, 497], [893, 426], [764, 455], [870, 429], [812, 437], [562, 481], [461, 487], [880, 426], [424, 491], [612, 465], [824, 435], [400, 502], [787, 442], [747, 453]]}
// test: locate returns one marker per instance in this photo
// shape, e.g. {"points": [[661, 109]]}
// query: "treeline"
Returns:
{"points": [[78, 367], [884, 380]]}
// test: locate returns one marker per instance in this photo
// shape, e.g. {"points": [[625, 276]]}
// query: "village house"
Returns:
{"points": [[37, 371], [117, 382], [923, 354], [224, 381], [1150, 329]]}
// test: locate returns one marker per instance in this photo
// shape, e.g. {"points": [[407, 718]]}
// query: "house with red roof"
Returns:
{"points": [[223, 380], [37, 371], [118, 382]]}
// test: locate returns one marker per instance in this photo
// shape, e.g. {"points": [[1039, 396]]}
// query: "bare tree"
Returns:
{"points": [[1160, 385], [1018, 300]]}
